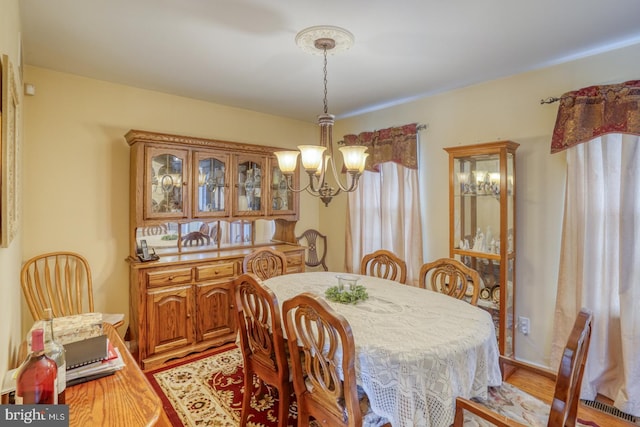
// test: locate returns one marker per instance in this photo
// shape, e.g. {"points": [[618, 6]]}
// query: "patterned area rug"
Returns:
{"points": [[208, 391]]}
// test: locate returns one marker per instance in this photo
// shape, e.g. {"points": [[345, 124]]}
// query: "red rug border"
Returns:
{"points": [[166, 405]]}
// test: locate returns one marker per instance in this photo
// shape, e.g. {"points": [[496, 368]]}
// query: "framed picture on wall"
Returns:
{"points": [[9, 154]]}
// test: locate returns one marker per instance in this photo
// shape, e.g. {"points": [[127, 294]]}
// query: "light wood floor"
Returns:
{"points": [[542, 388]]}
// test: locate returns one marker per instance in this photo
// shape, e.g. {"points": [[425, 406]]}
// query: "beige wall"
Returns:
{"points": [[503, 109], [76, 182], [10, 332]]}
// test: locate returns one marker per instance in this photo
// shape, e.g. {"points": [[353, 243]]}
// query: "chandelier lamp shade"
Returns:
{"points": [[318, 159]]}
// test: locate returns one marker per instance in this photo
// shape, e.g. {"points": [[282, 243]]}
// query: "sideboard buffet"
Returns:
{"points": [[197, 207]]}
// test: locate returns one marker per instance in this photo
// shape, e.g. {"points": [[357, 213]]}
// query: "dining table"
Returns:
{"points": [[416, 349]]}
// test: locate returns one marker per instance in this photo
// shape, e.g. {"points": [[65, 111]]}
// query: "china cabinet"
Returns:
{"points": [[197, 207], [482, 228]]}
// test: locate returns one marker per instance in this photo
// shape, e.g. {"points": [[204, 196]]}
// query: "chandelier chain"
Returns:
{"points": [[326, 107]]}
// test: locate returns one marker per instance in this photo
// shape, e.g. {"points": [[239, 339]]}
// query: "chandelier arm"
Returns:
{"points": [[292, 189], [347, 188]]}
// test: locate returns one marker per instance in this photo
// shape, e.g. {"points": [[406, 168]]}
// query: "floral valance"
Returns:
{"points": [[397, 144], [594, 111]]}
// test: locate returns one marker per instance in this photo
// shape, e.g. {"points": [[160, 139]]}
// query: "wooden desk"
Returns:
{"points": [[123, 399]]}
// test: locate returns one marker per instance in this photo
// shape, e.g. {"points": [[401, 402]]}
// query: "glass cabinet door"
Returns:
{"points": [[281, 199], [482, 226], [212, 179], [166, 183], [248, 200]]}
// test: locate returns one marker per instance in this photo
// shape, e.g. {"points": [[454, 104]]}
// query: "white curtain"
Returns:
{"points": [[600, 265], [384, 213]]}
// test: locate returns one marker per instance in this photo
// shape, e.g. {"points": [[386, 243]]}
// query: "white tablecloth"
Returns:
{"points": [[416, 349]]}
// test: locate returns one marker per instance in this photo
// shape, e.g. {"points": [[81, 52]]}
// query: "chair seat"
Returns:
{"points": [[513, 403]]}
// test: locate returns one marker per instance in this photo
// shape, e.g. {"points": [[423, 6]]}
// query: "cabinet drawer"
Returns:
{"points": [[215, 271], [294, 260], [168, 277]]}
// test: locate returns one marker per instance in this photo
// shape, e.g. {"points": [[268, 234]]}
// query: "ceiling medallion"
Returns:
{"points": [[310, 39]]}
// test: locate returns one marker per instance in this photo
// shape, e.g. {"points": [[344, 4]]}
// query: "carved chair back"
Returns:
{"points": [[316, 244], [317, 337], [564, 408], [384, 264], [265, 263], [261, 342], [451, 277]]}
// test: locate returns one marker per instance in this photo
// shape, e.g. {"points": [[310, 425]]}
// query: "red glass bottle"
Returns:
{"points": [[55, 351], [37, 377]]}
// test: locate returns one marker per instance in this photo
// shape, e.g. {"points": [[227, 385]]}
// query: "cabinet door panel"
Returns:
{"points": [[169, 318], [166, 180], [281, 201], [248, 191], [210, 195], [215, 311]]}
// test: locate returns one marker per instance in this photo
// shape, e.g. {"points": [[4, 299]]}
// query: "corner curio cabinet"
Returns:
{"points": [[482, 228]]}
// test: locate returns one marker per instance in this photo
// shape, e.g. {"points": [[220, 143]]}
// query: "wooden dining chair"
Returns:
{"points": [[212, 231], [451, 277], [384, 264], [265, 263], [317, 335], [316, 244], [60, 281], [509, 406], [262, 343]]}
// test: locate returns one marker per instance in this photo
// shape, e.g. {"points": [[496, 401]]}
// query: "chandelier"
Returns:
{"points": [[318, 159]]}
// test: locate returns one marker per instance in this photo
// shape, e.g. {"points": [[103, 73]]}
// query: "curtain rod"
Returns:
{"points": [[549, 100]]}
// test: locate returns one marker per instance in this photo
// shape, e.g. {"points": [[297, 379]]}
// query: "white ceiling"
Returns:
{"points": [[243, 54]]}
